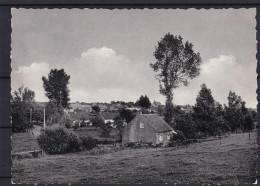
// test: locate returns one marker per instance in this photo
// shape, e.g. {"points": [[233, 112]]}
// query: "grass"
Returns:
{"points": [[23, 142], [233, 162]]}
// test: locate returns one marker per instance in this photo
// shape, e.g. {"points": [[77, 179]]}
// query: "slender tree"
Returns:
{"points": [[233, 112], [176, 64], [56, 87], [119, 123], [204, 110], [22, 104]]}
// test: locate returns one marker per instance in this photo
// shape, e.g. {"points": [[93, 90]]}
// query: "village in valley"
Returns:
{"points": [[94, 106]]}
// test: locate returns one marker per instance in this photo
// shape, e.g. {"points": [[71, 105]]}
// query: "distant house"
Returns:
{"points": [[87, 108], [148, 128], [156, 104], [187, 109], [102, 107], [134, 109]]}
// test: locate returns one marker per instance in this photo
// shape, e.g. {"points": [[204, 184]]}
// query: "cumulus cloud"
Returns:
{"points": [[102, 75], [30, 76], [221, 75]]}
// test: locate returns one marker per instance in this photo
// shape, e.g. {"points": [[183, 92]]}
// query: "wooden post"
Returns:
{"points": [[249, 134], [44, 124]]}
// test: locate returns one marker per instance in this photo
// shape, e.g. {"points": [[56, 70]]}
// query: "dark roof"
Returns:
{"points": [[156, 122]]}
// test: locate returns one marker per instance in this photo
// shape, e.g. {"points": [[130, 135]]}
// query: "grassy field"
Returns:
{"points": [[234, 161], [23, 142]]}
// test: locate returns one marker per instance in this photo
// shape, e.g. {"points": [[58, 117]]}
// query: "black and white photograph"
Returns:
{"points": [[133, 96]]}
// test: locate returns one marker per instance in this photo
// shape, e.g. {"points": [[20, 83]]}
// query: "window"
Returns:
{"points": [[168, 136], [141, 125], [160, 137]]}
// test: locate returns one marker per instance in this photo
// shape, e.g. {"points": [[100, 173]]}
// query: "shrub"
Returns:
{"points": [[76, 126], [177, 139], [68, 123], [75, 142], [83, 123], [58, 140], [88, 143]]}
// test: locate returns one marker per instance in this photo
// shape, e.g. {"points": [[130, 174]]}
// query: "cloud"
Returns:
{"points": [[221, 75], [102, 75], [31, 77]]}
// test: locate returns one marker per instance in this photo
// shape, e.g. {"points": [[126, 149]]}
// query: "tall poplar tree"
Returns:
{"points": [[56, 87], [176, 64]]}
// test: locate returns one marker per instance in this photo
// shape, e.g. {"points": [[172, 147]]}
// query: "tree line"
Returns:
{"points": [[176, 65]]}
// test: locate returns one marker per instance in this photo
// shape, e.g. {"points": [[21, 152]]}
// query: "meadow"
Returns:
{"points": [[232, 161]]}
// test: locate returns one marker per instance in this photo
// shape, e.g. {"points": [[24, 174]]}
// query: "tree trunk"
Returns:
{"points": [[168, 108]]}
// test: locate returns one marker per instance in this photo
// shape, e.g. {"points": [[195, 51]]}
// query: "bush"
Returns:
{"points": [[88, 143], [75, 142], [83, 124], [178, 139], [58, 140], [76, 126], [68, 123]]}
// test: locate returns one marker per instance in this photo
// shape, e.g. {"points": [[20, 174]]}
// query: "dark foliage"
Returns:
{"points": [[186, 124], [105, 130], [176, 64], [83, 123], [76, 126], [144, 102], [88, 142], [56, 87], [127, 115], [96, 108], [58, 140], [22, 106]]}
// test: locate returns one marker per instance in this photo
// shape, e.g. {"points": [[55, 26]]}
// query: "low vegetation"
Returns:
{"points": [[232, 161], [22, 142], [59, 140]]}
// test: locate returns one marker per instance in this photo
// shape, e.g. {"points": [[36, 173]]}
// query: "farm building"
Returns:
{"points": [[148, 128]]}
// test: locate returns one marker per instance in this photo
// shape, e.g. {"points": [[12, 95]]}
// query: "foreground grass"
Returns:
{"points": [[23, 142], [234, 161]]}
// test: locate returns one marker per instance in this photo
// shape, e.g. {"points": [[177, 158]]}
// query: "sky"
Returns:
{"points": [[107, 52]]}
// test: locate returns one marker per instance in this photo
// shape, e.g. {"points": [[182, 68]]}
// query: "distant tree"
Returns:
{"points": [[185, 123], [204, 110], [76, 125], [119, 123], [97, 121], [176, 64], [53, 114], [233, 112], [249, 122], [105, 130], [126, 115], [56, 88], [144, 102], [161, 110], [221, 125], [96, 108], [22, 105], [254, 115]]}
